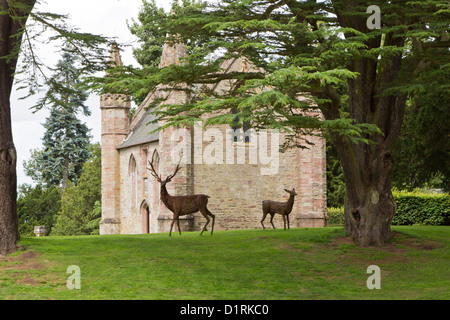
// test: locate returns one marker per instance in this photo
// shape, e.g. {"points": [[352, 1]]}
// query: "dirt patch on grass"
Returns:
{"points": [[27, 260], [336, 242], [393, 251], [27, 280], [394, 245], [425, 245], [28, 268]]}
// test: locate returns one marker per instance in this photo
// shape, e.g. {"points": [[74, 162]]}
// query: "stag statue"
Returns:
{"points": [[182, 205], [283, 208]]}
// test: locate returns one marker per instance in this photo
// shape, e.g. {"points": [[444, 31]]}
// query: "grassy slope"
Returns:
{"points": [[247, 264]]}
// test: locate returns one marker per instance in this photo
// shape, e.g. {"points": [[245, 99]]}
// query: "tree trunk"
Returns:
{"points": [[369, 221], [8, 179], [370, 206], [8, 184], [8, 193], [65, 174]]}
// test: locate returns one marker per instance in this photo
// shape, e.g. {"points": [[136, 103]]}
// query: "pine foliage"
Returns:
{"points": [[81, 204], [297, 48], [66, 139]]}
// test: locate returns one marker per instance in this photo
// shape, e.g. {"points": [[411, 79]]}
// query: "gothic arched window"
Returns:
{"points": [[154, 190], [132, 177]]}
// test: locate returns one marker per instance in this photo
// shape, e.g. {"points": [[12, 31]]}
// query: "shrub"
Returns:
{"points": [[421, 208], [81, 208], [37, 206], [335, 216], [412, 208]]}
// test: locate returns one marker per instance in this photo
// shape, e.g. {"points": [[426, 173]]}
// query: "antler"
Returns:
{"points": [[153, 171], [176, 170], [159, 178], [173, 174]]}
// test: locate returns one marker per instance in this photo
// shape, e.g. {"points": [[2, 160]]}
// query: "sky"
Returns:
{"points": [[105, 17]]}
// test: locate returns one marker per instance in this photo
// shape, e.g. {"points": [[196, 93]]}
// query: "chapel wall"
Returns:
{"points": [[238, 189]]}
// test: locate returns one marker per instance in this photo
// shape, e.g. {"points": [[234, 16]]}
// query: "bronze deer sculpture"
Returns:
{"points": [[182, 205], [283, 208]]}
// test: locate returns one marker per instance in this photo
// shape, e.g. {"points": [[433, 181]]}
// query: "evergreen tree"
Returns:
{"points": [[66, 139], [330, 52], [37, 206], [81, 204], [20, 26], [148, 54], [13, 17], [423, 147], [335, 179]]}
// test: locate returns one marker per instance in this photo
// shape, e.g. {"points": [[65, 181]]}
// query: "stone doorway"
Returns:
{"points": [[145, 217]]}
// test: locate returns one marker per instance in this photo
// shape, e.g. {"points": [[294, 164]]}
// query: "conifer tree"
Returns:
{"points": [[81, 204], [369, 56], [66, 139], [148, 54], [20, 26]]}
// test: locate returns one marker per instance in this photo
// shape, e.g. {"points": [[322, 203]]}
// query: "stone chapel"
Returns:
{"points": [[236, 185]]}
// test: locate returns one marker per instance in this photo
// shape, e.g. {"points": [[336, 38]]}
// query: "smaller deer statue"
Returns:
{"points": [[182, 205], [283, 208]]}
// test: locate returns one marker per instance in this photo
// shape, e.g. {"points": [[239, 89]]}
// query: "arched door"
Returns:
{"points": [[145, 217]]}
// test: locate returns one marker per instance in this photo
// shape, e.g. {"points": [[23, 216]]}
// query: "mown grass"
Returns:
{"points": [[312, 263]]}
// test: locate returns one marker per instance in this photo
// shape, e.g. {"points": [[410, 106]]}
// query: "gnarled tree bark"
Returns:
{"points": [[10, 38], [370, 206]]}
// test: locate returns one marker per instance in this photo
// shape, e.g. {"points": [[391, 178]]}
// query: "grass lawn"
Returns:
{"points": [[310, 263]]}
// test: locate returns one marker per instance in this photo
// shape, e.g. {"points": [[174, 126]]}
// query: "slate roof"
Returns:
{"points": [[140, 133], [172, 53]]}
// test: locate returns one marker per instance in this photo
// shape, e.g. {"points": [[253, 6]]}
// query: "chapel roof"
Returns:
{"points": [[140, 134], [141, 125]]}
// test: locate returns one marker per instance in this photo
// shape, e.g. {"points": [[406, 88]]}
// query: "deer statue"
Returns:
{"points": [[283, 208], [182, 205]]}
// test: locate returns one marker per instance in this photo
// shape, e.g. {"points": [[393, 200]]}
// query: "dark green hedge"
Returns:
{"points": [[412, 208], [335, 216], [421, 208]]}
